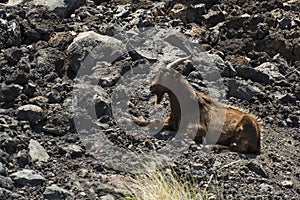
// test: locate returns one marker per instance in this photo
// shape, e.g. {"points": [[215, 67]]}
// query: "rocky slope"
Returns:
{"points": [[255, 46]]}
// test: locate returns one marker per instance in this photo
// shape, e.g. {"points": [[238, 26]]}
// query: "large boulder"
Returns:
{"points": [[88, 48]]}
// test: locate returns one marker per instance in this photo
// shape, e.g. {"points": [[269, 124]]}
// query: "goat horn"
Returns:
{"points": [[179, 60]]}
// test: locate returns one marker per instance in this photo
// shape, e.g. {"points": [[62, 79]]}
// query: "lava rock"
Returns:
{"points": [[88, 48], [92, 101], [241, 90], [265, 188], [61, 8], [54, 96], [6, 194], [271, 70], [255, 167], [54, 192], [107, 197], [286, 98], [258, 58], [27, 177], [61, 40], [2, 169], [12, 55], [37, 151], [19, 74], [73, 150], [188, 13], [123, 10], [294, 120], [6, 182], [30, 89], [228, 71], [10, 33], [287, 184], [30, 112], [212, 18], [8, 144], [253, 74], [22, 158], [297, 92], [10, 92], [179, 11], [97, 2]]}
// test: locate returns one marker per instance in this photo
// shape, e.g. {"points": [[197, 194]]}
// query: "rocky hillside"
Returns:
{"points": [[50, 50]]}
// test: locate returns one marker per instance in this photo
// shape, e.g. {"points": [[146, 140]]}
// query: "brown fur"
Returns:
{"points": [[240, 131]]}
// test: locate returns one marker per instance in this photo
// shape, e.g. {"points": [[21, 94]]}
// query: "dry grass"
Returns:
{"points": [[161, 185]]}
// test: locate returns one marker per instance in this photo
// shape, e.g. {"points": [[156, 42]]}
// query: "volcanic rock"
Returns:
{"points": [[30, 112], [37, 151], [27, 177], [55, 192], [241, 90], [88, 48]]}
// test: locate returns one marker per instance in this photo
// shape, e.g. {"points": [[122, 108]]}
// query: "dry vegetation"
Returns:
{"points": [[162, 185]]}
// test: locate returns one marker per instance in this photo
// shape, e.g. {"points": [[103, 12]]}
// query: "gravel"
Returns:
{"points": [[49, 65]]}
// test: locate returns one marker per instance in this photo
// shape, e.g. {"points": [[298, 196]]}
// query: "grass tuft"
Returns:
{"points": [[161, 185]]}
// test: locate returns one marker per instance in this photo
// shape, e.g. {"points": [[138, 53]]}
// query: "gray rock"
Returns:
{"points": [[54, 192], [62, 8], [241, 90], [188, 13], [10, 92], [253, 74], [297, 92], [8, 143], [281, 63], [257, 168], [23, 158], [97, 2], [123, 10], [265, 188], [30, 89], [107, 197], [37, 151], [2, 169], [141, 18], [212, 18], [179, 11], [297, 46], [12, 55], [92, 101], [271, 70], [10, 33], [74, 150], [30, 112], [286, 98], [287, 184], [6, 194], [228, 70], [14, 2], [88, 48], [27, 177], [285, 23], [54, 96], [294, 120], [6, 182]]}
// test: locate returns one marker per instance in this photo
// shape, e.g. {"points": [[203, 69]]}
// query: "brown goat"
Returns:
{"points": [[236, 129]]}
